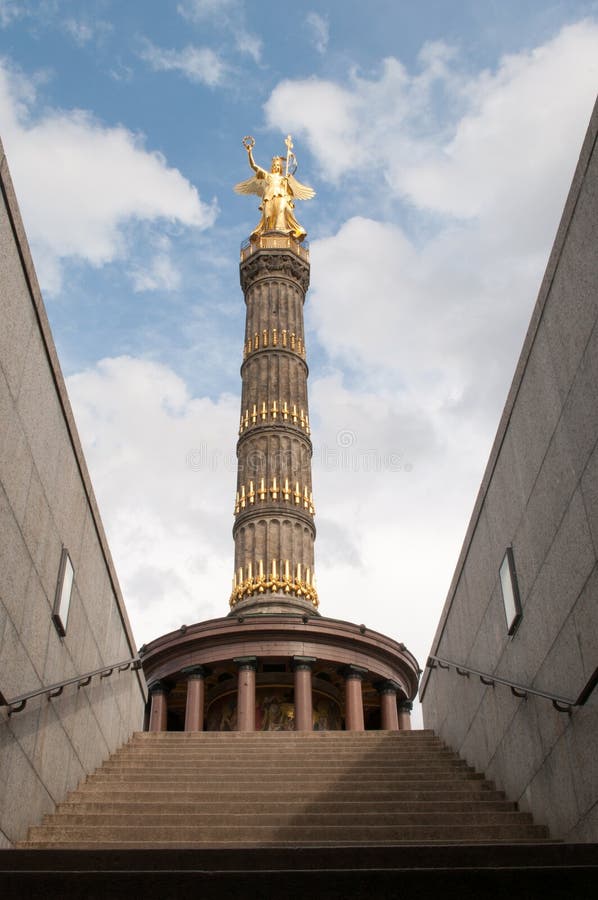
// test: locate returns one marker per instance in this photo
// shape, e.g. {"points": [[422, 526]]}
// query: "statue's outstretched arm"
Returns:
{"points": [[249, 144], [252, 163]]}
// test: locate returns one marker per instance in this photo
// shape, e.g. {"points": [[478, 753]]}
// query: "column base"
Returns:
{"points": [[273, 604]]}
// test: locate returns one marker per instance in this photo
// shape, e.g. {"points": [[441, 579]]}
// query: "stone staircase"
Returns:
{"points": [[332, 816], [327, 789]]}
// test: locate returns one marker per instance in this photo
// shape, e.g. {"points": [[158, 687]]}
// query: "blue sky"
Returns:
{"points": [[441, 139]]}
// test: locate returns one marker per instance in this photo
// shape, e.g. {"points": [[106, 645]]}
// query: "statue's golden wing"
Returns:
{"points": [[252, 185], [300, 191]]}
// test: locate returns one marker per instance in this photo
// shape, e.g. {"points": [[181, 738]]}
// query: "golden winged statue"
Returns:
{"points": [[278, 188]]}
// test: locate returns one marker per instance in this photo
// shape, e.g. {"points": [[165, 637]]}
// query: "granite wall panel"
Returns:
{"points": [[539, 495], [47, 502]]}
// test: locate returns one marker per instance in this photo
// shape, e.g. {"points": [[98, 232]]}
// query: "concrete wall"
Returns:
{"points": [[540, 494], [47, 502]]}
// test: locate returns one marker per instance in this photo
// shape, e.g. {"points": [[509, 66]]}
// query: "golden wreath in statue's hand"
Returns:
{"points": [[248, 143]]}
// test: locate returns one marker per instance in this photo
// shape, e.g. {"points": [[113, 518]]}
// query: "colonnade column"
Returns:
{"points": [[247, 666], [196, 693], [405, 707], [303, 699], [389, 719], [159, 691], [353, 698]]}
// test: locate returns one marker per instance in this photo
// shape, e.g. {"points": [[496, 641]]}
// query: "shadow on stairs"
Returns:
{"points": [[269, 815]]}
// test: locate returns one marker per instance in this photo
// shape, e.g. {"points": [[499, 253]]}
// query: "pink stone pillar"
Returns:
{"points": [[405, 707], [196, 694], [303, 698], [247, 666], [389, 719], [159, 711], [353, 698]]}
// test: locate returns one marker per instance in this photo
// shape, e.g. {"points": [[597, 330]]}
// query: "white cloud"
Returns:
{"points": [[379, 457], [227, 15], [426, 318], [198, 64], [249, 44], [395, 132], [46, 13], [163, 468], [9, 11], [512, 133], [319, 29], [447, 303], [160, 275], [199, 10], [326, 114], [121, 72], [80, 32], [445, 318], [80, 182]]}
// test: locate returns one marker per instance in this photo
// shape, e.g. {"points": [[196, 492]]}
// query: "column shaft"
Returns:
{"points": [[246, 698], [159, 710], [405, 708], [388, 711], [303, 698], [194, 713], [353, 703]]}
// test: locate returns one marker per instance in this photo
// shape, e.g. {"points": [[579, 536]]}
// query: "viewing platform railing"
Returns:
{"points": [[277, 241]]}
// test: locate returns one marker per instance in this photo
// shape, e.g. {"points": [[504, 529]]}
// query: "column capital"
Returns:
{"points": [[280, 262], [302, 662], [387, 687], [405, 705], [353, 672], [195, 671], [159, 687], [246, 662]]}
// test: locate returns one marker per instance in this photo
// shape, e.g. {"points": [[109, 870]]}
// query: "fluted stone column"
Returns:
{"points": [[353, 698], [196, 693], [274, 527], [303, 696], [405, 707], [389, 719], [159, 710], [247, 666]]}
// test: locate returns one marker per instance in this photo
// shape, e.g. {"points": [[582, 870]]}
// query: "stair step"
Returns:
{"points": [[143, 807], [277, 782], [469, 791], [418, 734], [290, 760], [356, 789], [332, 772], [259, 768], [256, 834], [451, 871], [330, 789], [301, 818], [297, 744]]}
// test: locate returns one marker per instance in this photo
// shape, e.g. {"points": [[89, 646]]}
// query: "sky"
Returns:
{"points": [[440, 137]]}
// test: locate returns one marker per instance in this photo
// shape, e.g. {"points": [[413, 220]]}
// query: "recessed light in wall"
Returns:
{"points": [[64, 590], [510, 591]]}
